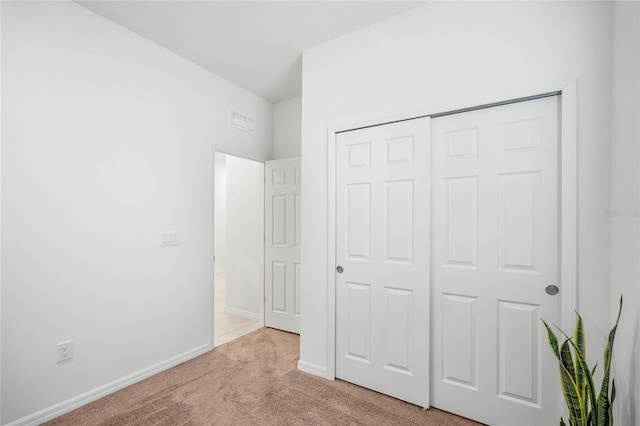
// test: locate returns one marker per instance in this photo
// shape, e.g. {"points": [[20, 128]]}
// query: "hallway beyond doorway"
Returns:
{"points": [[228, 327]]}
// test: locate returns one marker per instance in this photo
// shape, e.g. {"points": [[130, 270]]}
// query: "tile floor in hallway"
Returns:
{"points": [[226, 326]]}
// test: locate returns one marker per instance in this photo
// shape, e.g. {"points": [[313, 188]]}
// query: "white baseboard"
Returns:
{"points": [[242, 313], [104, 390], [315, 369]]}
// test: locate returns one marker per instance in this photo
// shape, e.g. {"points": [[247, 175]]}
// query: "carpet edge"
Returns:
{"points": [[85, 398]]}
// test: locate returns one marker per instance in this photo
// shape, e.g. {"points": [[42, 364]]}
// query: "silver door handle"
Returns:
{"points": [[552, 289], [339, 269]]}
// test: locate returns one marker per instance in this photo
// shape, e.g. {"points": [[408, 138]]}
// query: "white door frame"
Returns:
{"points": [[212, 222], [568, 196]]}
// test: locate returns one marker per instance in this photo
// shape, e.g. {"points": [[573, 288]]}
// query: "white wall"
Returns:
{"points": [[245, 236], [623, 211], [105, 142], [220, 232], [446, 53], [287, 128]]}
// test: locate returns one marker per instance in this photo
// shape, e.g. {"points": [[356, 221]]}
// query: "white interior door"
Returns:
{"points": [[382, 247], [282, 244], [495, 249]]}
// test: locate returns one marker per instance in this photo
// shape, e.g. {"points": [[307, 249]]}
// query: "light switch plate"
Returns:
{"points": [[169, 238]]}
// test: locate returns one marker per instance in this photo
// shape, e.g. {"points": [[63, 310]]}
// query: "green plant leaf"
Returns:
{"points": [[588, 378], [553, 340], [579, 340], [570, 389], [573, 391], [576, 378], [567, 361], [613, 398]]}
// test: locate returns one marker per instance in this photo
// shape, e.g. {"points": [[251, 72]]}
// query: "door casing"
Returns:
{"points": [[567, 191]]}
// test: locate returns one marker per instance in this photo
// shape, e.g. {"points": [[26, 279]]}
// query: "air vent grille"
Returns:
{"points": [[242, 121]]}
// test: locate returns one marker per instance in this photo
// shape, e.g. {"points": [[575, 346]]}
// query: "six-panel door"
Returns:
{"points": [[282, 244], [382, 294], [495, 249]]}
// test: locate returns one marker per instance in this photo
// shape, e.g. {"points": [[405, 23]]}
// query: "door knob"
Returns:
{"points": [[552, 289], [339, 269]]}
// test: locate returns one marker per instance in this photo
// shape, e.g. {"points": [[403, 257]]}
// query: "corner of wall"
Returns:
{"points": [[287, 128]]}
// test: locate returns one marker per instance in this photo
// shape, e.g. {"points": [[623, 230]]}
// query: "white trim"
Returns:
{"points": [[315, 369], [104, 390], [212, 240], [331, 253], [244, 313], [241, 154], [261, 303], [568, 207]]}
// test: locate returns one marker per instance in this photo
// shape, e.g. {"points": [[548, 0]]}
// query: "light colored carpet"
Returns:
{"points": [[252, 380]]}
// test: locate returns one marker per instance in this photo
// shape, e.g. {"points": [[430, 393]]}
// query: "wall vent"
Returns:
{"points": [[241, 121]]}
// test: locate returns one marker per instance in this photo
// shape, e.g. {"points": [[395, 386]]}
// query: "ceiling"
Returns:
{"points": [[255, 44]]}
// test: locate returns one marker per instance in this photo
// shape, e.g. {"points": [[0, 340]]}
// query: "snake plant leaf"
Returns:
{"points": [[553, 340], [613, 391], [578, 335], [602, 403], [577, 411], [588, 378], [613, 398], [570, 389], [576, 378], [567, 361], [579, 340], [573, 389]]}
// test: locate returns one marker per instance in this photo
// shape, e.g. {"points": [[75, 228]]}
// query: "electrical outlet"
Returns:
{"points": [[65, 351]]}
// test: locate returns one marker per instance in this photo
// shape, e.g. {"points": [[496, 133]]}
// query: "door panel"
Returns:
{"points": [[382, 225], [495, 248], [282, 244], [459, 342]]}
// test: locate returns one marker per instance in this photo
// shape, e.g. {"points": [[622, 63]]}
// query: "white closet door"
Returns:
{"points": [[282, 244], [495, 249], [382, 291]]}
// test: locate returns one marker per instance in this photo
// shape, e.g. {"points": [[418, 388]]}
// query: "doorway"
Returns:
{"points": [[238, 247]]}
